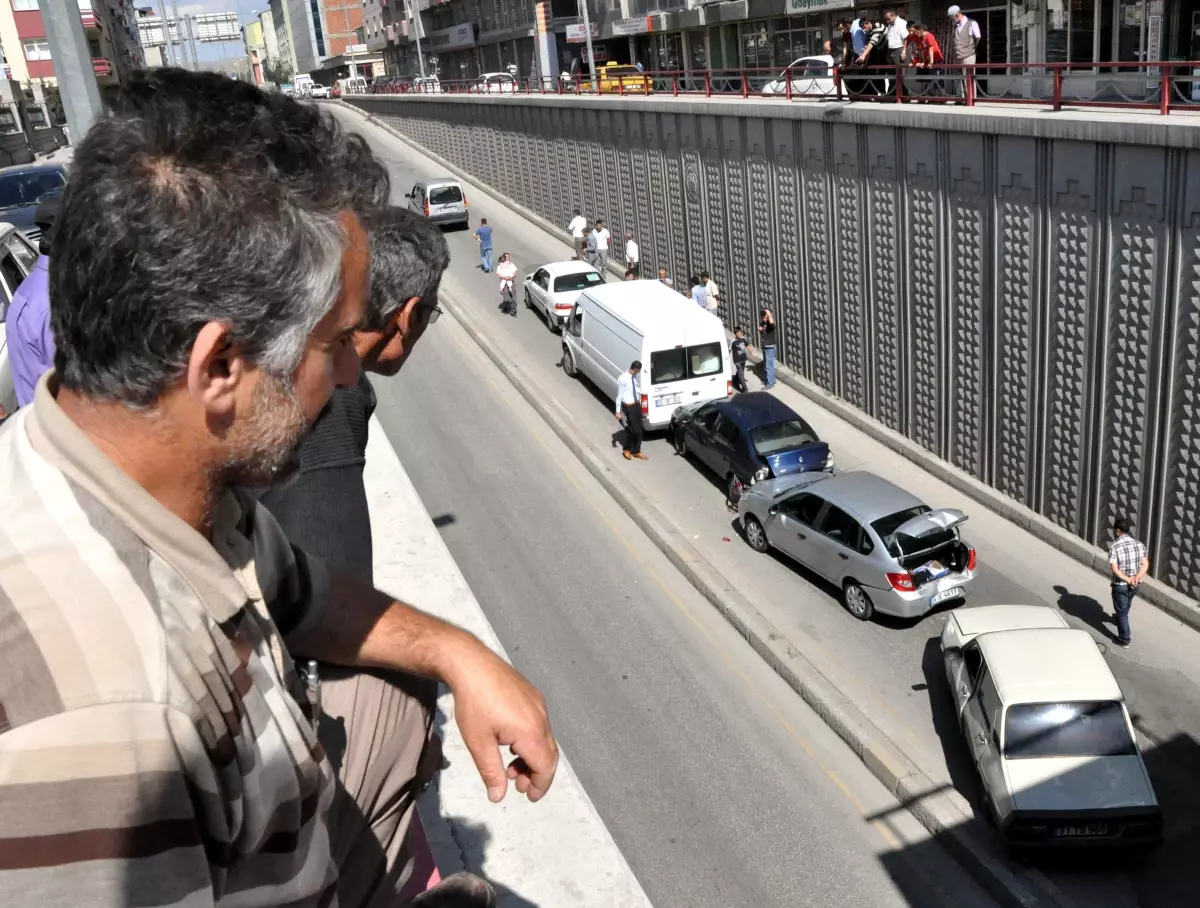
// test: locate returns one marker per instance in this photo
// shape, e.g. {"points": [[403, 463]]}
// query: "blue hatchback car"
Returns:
{"points": [[748, 438]]}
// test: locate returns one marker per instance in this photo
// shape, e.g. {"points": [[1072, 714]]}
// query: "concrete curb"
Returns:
{"points": [[1157, 593], [941, 810]]}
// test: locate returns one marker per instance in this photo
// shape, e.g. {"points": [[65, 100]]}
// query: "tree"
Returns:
{"points": [[277, 71]]}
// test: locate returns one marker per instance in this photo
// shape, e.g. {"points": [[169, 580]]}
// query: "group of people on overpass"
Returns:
{"points": [[895, 42]]}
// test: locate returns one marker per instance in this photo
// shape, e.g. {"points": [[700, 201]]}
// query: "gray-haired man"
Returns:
{"points": [[156, 743]]}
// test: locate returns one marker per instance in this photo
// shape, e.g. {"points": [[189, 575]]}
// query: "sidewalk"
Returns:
{"points": [[556, 852]]}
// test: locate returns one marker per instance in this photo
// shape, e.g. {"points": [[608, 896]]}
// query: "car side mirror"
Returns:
{"points": [[773, 510]]}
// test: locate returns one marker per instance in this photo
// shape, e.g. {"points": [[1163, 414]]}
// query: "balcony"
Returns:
{"points": [[102, 66], [91, 22]]}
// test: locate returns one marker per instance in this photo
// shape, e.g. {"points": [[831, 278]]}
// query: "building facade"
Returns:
{"points": [[464, 38], [110, 27], [282, 24]]}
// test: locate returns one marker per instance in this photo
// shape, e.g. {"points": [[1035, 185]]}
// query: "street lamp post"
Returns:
{"points": [[414, 16], [587, 34]]}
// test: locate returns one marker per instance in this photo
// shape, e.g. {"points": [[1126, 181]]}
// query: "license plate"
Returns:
{"points": [[954, 593], [666, 401], [1088, 829]]}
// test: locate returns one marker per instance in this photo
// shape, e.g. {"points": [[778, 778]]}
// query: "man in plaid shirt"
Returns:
{"points": [[1129, 562]]}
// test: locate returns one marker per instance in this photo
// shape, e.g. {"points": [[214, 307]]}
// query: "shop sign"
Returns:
{"points": [[816, 6], [601, 54], [576, 34], [453, 37], [638, 26]]}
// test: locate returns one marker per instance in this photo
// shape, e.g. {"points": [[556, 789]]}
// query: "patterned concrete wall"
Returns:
{"points": [[1027, 308]]}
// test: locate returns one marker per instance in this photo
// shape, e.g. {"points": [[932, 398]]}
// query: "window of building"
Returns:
{"points": [[756, 45], [20, 5], [37, 49]]}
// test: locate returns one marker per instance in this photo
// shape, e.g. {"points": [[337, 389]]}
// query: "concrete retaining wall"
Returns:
{"points": [[1018, 294]]}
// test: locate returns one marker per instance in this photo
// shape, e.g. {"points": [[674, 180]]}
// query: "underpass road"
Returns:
{"points": [[719, 785], [892, 669]]}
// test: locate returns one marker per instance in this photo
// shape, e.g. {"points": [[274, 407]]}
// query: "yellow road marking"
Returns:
{"points": [[878, 825]]}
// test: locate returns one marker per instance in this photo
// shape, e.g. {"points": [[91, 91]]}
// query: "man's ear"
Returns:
{"points": [[406, 316], [216, 367]]}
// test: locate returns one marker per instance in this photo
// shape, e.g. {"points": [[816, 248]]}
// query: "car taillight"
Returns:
{"points": [[427, 208], [971, 559], [464, 200], [729, 389], [645, 405], [902, 583]]}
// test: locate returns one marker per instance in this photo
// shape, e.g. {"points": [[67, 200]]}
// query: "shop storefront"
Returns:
{"points": [[452, 52]]}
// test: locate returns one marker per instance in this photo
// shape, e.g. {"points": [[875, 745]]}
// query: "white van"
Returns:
{"points": [[682, 347]]}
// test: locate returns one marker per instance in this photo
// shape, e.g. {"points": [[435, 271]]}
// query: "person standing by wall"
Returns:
{"points": [[593, 251], [577, 227], [1129, 562], [699, 294], [712, 293], [767, 340], [663, 279], [964, 42], [632, 255], [603, 238], [629, 411], [737, 353], [483, 236]]}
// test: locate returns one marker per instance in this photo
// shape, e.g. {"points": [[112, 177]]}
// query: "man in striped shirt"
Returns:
{"points": [[156, 745]]}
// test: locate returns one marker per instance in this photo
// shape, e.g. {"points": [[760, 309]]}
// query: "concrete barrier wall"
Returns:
{"points": [[1018, 294]]}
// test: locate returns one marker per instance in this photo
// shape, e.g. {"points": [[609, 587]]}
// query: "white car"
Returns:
{"points": [[811, 77], [17, 258], [494, 83], [552, 289], [319, 91], [1049, 731]]}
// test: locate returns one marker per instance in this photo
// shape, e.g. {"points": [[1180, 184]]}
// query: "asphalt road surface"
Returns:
{"points": [[891, 668]]}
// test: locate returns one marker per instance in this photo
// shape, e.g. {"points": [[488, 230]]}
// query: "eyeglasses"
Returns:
{"points": [[432, 310]]}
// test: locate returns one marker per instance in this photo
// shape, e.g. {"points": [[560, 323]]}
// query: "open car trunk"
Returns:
{"points": [[928, 546]]}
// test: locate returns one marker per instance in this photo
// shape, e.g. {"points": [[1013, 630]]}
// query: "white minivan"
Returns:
{"points": [[681, 347]]}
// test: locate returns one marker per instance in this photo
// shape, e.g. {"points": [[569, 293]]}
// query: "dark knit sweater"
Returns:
{"points": [[323, 510]]}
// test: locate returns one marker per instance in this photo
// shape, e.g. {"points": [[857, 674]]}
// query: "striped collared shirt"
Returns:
{"points": [[152, 749]]}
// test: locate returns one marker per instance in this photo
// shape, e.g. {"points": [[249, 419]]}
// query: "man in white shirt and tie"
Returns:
{"points": [[577, 226], [632, 255], [629, 411]]}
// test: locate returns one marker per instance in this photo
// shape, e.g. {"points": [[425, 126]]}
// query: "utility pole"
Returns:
{"points": [[587, 33], [168, 59], [72, 65], [191, 31], [180, 46], [415, 18]]}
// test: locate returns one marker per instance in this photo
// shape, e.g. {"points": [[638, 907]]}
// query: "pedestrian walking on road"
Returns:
{"points": [[964, 44], [506, 270], [629, 411], [603, 242], [593, 253], [1129, 562], [483, 236], [712, 293], [699, 294], [663, 279], [737, 353], [577, 227], [632, 255], [767, 341]]}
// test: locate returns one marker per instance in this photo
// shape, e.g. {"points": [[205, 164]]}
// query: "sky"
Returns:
{"points": [[247, 11]]}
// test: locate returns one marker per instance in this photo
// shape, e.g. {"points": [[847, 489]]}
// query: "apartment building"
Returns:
{"points": [[110, 27]]}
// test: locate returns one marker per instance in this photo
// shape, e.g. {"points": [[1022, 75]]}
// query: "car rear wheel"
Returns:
{"points": [[680, 442], [858, 603], [755, 534]]}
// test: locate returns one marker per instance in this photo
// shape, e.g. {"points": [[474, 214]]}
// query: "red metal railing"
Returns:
{"points": [[1166, 87]]}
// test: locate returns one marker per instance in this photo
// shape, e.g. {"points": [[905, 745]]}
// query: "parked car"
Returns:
{"points": [[810, 76], [22, 189], [620, 78], [887, 550], [1048, 730], [441, 200], [553, 289], [748, 438], [320, 91], [494, 83], [17, 258], [682, 348]]}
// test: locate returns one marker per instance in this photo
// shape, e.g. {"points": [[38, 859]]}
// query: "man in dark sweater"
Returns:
{"points": [[324, 509], [324, 512]]}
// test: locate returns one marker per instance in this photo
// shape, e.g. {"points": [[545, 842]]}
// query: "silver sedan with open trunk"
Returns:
{"points": [[887, 550]]}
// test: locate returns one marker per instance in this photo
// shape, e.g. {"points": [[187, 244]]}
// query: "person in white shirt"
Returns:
{"points": [[628, 409], [506, 270], [602, 237], [632, 259], [896, 33], [712, 293], [577, 226]]}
